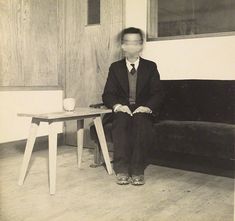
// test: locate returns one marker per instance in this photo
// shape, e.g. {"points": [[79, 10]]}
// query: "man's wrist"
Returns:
{"points": [[149, 109], [116, 106]]}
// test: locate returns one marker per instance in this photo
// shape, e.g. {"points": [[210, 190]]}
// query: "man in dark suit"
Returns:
{"points": [[134, 93]]}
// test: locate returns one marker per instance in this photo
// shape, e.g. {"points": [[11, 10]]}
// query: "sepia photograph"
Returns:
{"points": [[117, 110]]}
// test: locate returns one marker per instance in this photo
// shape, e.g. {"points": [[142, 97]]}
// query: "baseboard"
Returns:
{"points": [[18, 146]]}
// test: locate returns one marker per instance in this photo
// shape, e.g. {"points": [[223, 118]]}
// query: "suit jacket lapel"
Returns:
{"points": [[141, 77], [122, 77]]}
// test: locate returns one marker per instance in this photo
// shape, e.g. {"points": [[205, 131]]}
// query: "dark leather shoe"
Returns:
{"points": [[122, 179], [138, 180]]}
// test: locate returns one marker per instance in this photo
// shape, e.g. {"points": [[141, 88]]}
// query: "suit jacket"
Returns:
{"points": [[149, 91]]}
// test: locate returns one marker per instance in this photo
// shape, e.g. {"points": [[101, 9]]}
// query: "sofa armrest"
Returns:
{"points": [[98, 105]]}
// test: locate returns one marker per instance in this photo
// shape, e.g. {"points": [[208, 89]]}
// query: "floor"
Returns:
{"points": [[90, 194]]}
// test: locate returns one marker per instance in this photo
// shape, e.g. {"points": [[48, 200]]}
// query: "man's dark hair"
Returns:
{"points": [[132, 30]]}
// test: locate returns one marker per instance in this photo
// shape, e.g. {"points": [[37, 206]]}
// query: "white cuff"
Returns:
{"points": [[150, 111], [115, 107]]}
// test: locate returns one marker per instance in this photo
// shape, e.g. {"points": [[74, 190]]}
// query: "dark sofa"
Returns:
{"points": [[196, 118]]}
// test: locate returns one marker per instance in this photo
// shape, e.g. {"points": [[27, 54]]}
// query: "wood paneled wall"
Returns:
{"points": [[89, 52], [31, 35], [48, 43], [90, 49], [44, 41]]}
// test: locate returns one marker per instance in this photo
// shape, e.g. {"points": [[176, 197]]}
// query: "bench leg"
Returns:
{"points": [[103, 144], [80, 135], [98, 161], [28, 150], [52, 156]]}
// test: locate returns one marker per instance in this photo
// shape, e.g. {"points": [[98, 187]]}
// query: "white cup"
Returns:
{"points": [[69, 104]]}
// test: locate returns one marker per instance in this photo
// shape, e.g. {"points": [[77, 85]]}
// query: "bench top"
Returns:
{"points": [[80, 112]]}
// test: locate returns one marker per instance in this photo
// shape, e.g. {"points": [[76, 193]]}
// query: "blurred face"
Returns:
{"points": [[132, 45]]}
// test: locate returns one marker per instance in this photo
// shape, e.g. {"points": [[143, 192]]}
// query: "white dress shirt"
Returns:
{"points": [[136, 63]]}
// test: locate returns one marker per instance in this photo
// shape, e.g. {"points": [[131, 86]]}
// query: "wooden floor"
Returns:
{"points": [[90, 194]]}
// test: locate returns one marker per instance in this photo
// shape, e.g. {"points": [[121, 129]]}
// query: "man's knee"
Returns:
{"points": [[141, 117], [121, 118], [142, 121]]}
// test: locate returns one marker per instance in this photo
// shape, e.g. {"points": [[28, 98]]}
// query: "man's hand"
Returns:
{"points": [[122, 108], [142, 109]]}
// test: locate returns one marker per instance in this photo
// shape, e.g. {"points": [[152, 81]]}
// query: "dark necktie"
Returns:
{"points": [[133, 70]]}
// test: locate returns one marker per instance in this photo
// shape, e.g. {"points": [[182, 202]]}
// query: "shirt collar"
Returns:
{"points": [[128, 64]]}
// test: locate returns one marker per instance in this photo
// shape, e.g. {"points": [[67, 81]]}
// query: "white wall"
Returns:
{"points": [[198, 58], [14, 128]]}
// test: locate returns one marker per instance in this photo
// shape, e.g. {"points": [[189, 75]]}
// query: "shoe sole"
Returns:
{"points": [[126, 182], [123, 183], [138, 183]]}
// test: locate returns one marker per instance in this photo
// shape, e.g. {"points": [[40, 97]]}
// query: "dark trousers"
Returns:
{"points": [[132, 138]]}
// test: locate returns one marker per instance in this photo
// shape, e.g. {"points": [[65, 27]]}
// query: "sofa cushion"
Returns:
{"points": [[196, 137], [191, 137]]}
